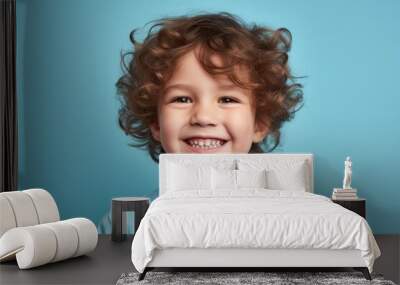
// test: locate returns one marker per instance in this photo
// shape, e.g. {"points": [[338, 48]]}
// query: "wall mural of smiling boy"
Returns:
{"points": [[198, 80], [207, 83]]}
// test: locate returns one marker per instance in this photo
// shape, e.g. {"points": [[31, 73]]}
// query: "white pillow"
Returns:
{"points": [[182, 177], [236, 179], [292, 178], [223, 179], [251, 178]]}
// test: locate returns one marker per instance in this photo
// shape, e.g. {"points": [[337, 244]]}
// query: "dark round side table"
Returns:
{"points": [[119, 206]]}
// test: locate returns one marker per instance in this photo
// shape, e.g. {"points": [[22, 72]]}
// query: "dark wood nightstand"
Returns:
{"points": [[357, 205], [139, 205]]}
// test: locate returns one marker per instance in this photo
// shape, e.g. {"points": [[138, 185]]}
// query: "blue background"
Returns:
{"points": [[68, 56]]}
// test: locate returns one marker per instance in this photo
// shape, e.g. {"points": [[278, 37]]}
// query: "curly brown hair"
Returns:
{"points": [[263, 51]]}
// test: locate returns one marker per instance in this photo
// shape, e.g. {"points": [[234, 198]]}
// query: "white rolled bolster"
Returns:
{"points": [[46, 207], [67, 240], [26, 208], [40, 244], [7, 218], [23, 209], [33, 246], [87, 232]]}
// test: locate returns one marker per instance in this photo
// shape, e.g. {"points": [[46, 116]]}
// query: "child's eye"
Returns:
{"points": [[228, 100], [181, 99]]}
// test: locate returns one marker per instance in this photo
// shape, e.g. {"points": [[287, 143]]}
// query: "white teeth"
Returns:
{"points": [[205, 143]]}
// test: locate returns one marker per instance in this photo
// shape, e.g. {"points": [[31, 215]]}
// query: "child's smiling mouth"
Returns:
{"points": [[198, 145]]}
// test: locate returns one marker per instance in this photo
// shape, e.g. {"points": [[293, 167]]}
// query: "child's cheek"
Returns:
{"points": [[240, 125], [240, 121], [170, 123]]}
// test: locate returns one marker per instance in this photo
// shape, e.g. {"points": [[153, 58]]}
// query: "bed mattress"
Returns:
{"points": [[250, 219]]}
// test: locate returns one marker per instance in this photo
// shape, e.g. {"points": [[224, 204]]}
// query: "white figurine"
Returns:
{"points": [[347, 174]]}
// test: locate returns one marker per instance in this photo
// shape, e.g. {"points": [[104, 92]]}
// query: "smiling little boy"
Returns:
{"points": [[200, 113], [207, 84]]}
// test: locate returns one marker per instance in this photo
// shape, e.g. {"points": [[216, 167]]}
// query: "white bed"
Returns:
{"points": [[200, 223]]}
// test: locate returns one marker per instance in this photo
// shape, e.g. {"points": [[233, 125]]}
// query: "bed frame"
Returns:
{"points": [[246, 259]]}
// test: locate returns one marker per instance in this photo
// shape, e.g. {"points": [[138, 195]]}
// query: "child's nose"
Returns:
{"points": [[204, 115]]}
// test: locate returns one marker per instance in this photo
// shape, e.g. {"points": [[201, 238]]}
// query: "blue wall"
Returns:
{"points": [[68, 62]]}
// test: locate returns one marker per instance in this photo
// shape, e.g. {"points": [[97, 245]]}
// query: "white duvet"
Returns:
{"points": [[251, 218]]}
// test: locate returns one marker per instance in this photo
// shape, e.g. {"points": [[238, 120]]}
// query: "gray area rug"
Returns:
{"points": [[229, 278]]}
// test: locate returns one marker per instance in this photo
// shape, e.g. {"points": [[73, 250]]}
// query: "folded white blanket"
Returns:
{"points": [[40, 244], [251, 218]]}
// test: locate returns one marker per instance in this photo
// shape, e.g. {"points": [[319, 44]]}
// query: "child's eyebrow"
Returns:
{"points": [[226, 86], [179, 86]]}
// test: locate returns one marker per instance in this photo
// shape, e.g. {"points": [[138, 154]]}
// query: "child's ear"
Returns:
{"points": [[260, 132], [155, 131]]}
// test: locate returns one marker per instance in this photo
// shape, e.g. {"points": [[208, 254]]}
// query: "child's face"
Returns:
{"points": [[199, 113]]}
